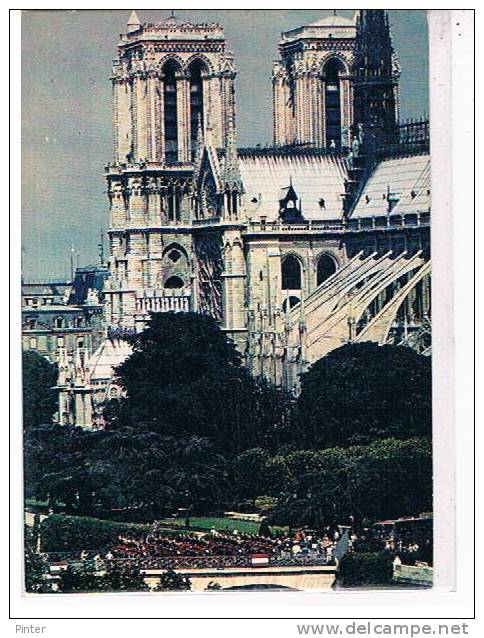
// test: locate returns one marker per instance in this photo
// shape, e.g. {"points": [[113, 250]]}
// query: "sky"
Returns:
{"points": [[67, 119]]}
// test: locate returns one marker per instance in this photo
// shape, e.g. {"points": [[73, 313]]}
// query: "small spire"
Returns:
{"points": [[231, 159], [133, 23]]}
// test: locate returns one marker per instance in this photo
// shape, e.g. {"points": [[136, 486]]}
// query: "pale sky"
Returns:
{"points": [[67, 120]]}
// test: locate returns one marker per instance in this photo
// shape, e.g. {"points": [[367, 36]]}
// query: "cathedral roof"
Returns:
{"points": [[407, 179], [318, 181], [333, 26]]}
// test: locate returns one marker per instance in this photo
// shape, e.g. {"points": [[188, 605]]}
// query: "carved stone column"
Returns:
{"points": [[122, 118], [228, 103], [183, 115], [141, 116], [160, 117], [152, 116], [322, 110], [346, 110], [301, 99]]}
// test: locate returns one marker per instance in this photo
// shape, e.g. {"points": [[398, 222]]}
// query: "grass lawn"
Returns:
{"points": [[219, 523]]}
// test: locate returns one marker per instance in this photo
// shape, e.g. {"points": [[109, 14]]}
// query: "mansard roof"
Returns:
{"points": [[317, 179], [406, 179]]}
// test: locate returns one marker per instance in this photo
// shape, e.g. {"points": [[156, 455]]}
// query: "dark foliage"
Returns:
{"points": [[388, 478], [171, 581], [36, 568], [39, 398], [362, 392], [74, 533], [366, 569], [185, 379], [196, 431]]}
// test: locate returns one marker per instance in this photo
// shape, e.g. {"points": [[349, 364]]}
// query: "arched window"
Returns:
{"points": [[196, 100], [291, 273], [58, 323], [326, 268], [332, 102], [293, 301], [174, 283], [171, 114]]}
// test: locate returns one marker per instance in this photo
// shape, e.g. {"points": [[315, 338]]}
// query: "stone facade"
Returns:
{"points": [[294, 250]]}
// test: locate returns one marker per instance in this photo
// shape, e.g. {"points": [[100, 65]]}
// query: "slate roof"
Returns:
{"points": [[407, 177], [314, 177]]}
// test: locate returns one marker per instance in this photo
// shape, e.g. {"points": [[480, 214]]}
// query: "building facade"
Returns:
{"points": [[64, 315], [296, 249]]}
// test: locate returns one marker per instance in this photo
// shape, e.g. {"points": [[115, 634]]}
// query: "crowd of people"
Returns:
{"points": [[323, 546], [223, 543]]}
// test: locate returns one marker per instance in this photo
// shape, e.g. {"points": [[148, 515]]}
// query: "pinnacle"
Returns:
{"points": [[134, 20]]}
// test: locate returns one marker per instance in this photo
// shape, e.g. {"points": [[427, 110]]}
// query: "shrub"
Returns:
{"points": [[60, 533], [365, 569], [171, 581]]}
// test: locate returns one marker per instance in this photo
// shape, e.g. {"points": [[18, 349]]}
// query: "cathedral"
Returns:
{"points": [[295, 249]]}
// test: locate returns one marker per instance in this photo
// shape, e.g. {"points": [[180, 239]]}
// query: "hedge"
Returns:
{"points": [[357, 569], [61, 533]]}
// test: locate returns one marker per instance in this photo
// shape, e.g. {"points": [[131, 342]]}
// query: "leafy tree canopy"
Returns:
{"points": [[361, 392], [39, 398], [185, 378], [387, 478]]}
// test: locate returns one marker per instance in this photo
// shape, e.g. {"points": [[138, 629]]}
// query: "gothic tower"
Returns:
{"points": [[173, 83], [312, 84], [375, 77]]}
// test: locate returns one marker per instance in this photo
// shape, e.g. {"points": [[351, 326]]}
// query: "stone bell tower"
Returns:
{"points": [[172, 82], [312, 84]]}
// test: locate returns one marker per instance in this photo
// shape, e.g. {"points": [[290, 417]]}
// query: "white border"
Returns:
{"points": [[434, 604]]}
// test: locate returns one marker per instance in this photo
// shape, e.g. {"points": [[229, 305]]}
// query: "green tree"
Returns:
{"points": [[81, 578], [39, 398], [171, 581], [36, 568], [248, 473], [386, 479], [356, 570], [185, 378], [124, 576], [362, 392], [57, 467]]}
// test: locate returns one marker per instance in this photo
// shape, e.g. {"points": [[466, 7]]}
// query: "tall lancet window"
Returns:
{"points": [[197, 68], [291, 273], [171, 114], [332, 102]]}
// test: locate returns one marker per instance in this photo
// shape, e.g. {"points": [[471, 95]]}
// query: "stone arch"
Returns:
{"points": [[291, 272], [334, 56], [199, 57], [331, 70], [196, 71], [171, 68], [171, 59], [174, 283], [291, 301], [326, 265], [174, 246]]}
